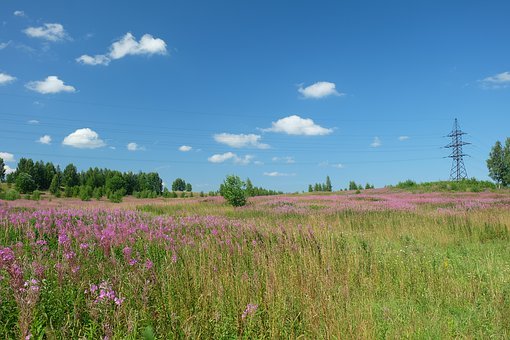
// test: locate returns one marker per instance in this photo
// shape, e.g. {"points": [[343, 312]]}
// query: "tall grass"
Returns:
{"points": [[212, 271]]}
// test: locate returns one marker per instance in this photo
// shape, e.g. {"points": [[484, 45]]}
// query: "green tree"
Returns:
{"points": [[329, 187], [249, 188], [234, 191], [70, 176], [353, 185], [310, 188], [2, 170], [115, 183], [189, 188], [498, 167], [179, 185], [55, 184], [25, 183]]}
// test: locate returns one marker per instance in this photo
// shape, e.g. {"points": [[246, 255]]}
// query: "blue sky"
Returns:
{"points": [[282, 92]]}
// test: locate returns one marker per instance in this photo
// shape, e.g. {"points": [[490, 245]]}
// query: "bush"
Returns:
{"points": [[68, 192], [97, 193], [11, 195], [233, 190], [25, 183], [116, 197], [36, 195], [85, 193]]}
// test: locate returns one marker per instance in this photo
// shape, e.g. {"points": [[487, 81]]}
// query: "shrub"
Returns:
{"points": [[85, 193], [25, 183], [36, 195], [97, 193], [233, 190], [68, 192], [11, 195], [116, 197]]}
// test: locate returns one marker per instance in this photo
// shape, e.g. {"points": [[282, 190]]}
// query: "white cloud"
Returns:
{"points": [[99, 59], [127, 45], [185, 148], [278, 174], [19, 13], [241, 140], [8, 169], [332, 165], [49, 85], [7, 157], [51, 32], [6, 78], [84, 139], [497, 81], [403, 138], [4, 45], [46, 139], [295, 125], [286, 159], [220, 158], [318, 90], [376, 142], [33, 122], [134, 147], [244, 160]]}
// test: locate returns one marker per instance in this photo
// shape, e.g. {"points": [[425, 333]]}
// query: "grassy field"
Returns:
{"points": [[373, 265]]}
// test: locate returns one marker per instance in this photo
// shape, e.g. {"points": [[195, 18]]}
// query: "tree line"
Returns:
{"points": [[94, 182]]}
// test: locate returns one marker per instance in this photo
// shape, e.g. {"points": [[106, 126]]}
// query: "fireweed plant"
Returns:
{"points": [[369, 265]]}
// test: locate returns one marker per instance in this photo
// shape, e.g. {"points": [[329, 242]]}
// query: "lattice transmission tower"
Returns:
{"points": [[458, 171]]}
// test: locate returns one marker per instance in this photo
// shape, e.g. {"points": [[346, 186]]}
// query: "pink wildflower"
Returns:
{"points": [[250, 310]]}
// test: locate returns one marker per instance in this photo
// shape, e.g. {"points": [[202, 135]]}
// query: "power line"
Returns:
{"points": [[205, 162], [199, 113]]}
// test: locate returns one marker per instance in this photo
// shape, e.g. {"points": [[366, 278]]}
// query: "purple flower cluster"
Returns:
{"points": [[104, 294]]}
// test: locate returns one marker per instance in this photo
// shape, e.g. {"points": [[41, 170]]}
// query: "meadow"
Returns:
{"points": [[380, 264]]}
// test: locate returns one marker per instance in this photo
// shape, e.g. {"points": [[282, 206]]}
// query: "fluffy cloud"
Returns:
{"points": [[376, 142], [127, 45], [49, 85], [33, 122], [240, 141], [287, 159], [6, 79], [295, 125], [318, 90], [99, 59], [46, 139], [185, 148], [7, 157], [278, 174], [497, 81], [134, 147], [220, 158], [84, 139], [403, 138], [19, 14], [49, 32]]}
